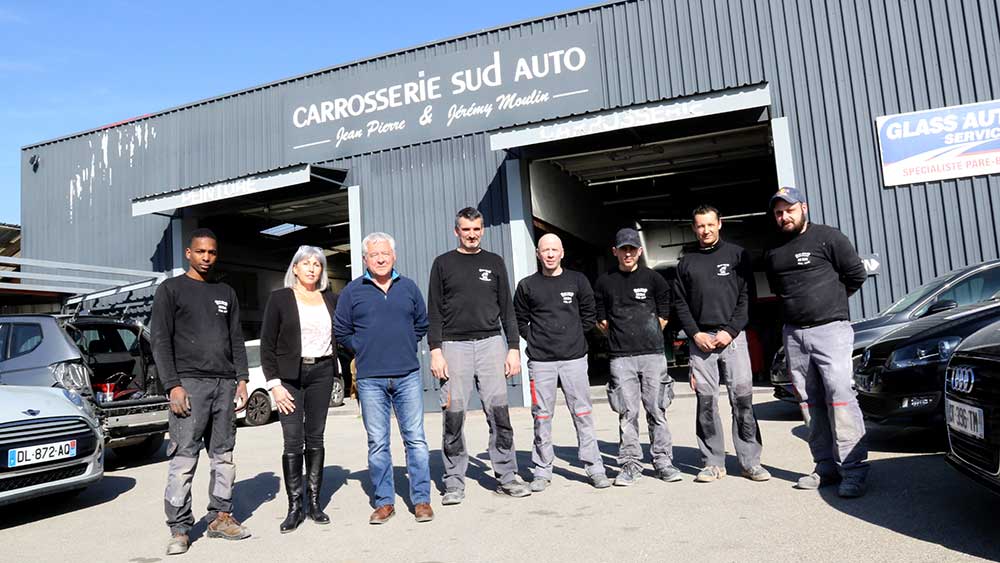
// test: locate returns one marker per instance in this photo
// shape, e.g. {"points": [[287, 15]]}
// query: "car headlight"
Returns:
{"points": [[924, 353], [72, 375], [80, 402]]}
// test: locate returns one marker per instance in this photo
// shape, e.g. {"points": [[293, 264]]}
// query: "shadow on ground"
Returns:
{"points": [[34, 510]]}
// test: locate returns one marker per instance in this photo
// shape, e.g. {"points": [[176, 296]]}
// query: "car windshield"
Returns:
{"points": [[916, 296]]}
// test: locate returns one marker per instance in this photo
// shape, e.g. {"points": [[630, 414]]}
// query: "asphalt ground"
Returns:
{"points": [[917, 507]]}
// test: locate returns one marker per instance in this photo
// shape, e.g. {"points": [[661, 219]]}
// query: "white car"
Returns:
{"points": [[50, 442], [260, 404]]}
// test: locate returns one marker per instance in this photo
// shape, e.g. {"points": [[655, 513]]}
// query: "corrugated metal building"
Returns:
{"points": [[622, 113]]}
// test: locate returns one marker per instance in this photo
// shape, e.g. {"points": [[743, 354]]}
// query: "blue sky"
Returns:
{"points": [[70, 66]]}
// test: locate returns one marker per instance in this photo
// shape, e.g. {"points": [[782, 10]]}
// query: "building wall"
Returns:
{"points": [[832, 66]]}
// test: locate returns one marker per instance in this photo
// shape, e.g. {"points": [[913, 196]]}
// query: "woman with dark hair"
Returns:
{"points": [[298, 356]]}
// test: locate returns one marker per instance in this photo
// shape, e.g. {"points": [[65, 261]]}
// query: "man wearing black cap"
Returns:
{"points": [[814, 269], [633, 303]]}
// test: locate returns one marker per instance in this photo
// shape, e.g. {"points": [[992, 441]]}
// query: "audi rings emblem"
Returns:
{"points": [[961, 379]]}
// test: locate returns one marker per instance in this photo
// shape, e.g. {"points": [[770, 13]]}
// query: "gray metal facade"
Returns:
{"points": [[833, 67]]}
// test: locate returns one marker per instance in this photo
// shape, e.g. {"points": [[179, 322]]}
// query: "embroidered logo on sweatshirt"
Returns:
{"points": [[722, 269], [222, 306], [484, 275], [567, 296], [640, 293], [802, 258]]}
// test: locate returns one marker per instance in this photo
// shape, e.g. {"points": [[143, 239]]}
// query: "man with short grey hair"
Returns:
{"points": [[555, 308], [381, 317], [469, 303]]}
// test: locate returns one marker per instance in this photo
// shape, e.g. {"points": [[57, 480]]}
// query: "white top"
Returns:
{"points": [[316, 328]]}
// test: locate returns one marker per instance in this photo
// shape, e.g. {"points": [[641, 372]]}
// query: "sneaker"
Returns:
{"points": [[710, 473], [756, 473], [814, 481], [226, 527], [851, 488], [454, 496], [178, 544], [516, 488], [671, 474], [629, 474], [600, 481], [538, 484]]}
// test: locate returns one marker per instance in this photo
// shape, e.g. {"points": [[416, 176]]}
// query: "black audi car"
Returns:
{"points": [[972, 404], [900, 377]]}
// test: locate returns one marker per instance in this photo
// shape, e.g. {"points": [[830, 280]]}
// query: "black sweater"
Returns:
{"points": [[713, 287], [281, 334], [814, 273], [553, 313], [469, 299], [631, 303], [195, 331]]}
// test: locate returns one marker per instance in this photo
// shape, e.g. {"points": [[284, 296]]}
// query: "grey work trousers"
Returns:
{"points": [[706, 369], [642, 380], [212, 423], [572, 374], [819, 363], [478, 363]]}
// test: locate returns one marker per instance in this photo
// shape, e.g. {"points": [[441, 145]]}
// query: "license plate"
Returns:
{"points": [[964, 418], [38, 454]]}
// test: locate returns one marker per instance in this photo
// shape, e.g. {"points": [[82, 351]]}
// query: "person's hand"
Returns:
{"points": [[180, 403], [284, 400], [722, 339], [603, 325], [439, 367], [692, 382], [241, 395], [704, 341], [512, 366]]}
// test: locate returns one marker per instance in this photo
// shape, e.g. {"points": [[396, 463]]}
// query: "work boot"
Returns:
{"points": [[756, 473], [226, 527], [178, 544], [291, 470], [382, 514], [314, 483], [600, 481], [629, 474], [453, 496], [710, 473], [423, 512], [670, 474], [516, 488], [538, 484], [814, 481]]}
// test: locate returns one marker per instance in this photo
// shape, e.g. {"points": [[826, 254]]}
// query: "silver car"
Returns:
{"points": [[50, 442]]}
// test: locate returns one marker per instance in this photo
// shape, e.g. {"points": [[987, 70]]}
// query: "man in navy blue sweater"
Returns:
{"points": [[381, 316]]}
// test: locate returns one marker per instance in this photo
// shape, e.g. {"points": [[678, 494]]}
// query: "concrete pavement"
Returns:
{"points": [[918, 509]]}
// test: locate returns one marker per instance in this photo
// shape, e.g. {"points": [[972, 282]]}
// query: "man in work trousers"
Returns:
{"points": [[633, 304], [711, 298], [814, 268], [554, 308], [381, 316], [198, 348], [468, 302]]}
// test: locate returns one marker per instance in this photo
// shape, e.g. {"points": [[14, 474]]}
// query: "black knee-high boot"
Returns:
{"points": [[314, 482], [291, 468]]}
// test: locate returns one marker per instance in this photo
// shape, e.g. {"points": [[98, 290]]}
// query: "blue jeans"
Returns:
{"points": [[404, 395]]}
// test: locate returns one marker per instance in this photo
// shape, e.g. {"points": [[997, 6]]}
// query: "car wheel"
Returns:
{"points": [[337, 397], [143, 450], [258, 409]]}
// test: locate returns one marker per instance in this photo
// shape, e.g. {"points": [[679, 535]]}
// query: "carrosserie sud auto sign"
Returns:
{"points": [[952, 142]]}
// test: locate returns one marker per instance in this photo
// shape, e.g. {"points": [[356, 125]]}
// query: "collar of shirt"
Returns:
{"points": [[393, 277]]}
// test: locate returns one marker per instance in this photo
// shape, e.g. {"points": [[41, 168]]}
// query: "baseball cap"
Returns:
{"points": [[627, 237], [789, 195]]}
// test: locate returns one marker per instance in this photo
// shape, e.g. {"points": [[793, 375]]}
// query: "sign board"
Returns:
{"points": [[939, 144], [873, 264], [514, 81]]}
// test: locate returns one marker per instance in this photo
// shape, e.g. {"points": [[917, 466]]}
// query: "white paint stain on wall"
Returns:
{"points": [[132, 142]]}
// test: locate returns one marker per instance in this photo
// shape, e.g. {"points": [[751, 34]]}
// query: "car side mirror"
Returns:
{"points": [[941, 306]]}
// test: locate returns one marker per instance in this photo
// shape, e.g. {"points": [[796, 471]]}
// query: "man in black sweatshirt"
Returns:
{"points": [[711, 298], [468, 303], [554, 308], [198, 349], [633, 305], [814, 269]]}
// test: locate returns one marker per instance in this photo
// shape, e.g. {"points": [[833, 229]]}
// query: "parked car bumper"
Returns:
{"points": [[900, 395], [55, 477]]}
